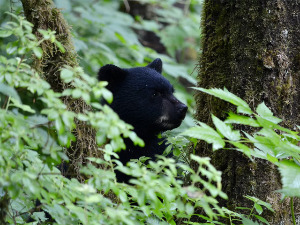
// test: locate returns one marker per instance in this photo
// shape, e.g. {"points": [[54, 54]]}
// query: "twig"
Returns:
{"points": [[292, 210], [127, 6]]}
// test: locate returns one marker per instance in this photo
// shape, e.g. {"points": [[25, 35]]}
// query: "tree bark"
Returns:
{"points": [[251, 48], [44, 15]]}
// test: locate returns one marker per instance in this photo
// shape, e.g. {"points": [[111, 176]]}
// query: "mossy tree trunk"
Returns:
{"points": [[44, 15], [253, 49]]}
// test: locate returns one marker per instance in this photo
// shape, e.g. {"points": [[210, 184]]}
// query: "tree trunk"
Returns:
{"points": [[45, 16], [253, 49]]}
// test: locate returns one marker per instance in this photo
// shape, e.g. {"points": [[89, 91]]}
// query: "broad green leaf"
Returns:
{"points": [[239, 119], [242, 106], [290, 178], [37, 120], [107, 95], [10, 91], [271, 125], [67, 92], [120, 37], [45, 33], [15, 16], [262, 219], [280, 146], [266, 113], [224, 129], [38, 52], [272, 159], [82, 117], [258, 208], [206, 133], [76, 93], [189, 209], [260, 202], [232, 213], [66, 75], [60, 46], [60, 127], [263, 144], [243, 148], [93, 198], [25, 108], [12, 47], [86, 97], [80, 212], [39, 216], [5, 33], [248, 222]]}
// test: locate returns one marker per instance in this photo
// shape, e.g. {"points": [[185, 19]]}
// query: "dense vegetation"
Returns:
{"points": [[36, 128]]}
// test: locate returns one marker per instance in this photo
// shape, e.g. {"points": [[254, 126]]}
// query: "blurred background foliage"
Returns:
{"points": [[133, 33]]}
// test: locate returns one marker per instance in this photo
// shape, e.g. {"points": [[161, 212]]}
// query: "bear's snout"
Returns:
{"points": [[182, 109]]}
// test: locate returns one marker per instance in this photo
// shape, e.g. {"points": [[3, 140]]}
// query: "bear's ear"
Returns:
{"points": [[111, 74], [156, 64]]}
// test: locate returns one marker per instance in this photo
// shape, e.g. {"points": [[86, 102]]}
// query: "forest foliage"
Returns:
{"points": [[36, 128]]}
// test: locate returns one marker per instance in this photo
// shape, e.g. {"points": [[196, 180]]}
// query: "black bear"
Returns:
{"points": [[144, 99]]}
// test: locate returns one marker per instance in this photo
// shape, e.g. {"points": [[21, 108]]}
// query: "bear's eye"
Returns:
{"points": [[156, 94]]}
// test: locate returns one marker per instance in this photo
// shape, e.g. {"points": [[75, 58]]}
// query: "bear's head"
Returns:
{"points": [[144, 98]]}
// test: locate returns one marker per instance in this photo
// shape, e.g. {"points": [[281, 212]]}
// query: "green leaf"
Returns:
{"points": [[290, 178], [239, 119], [107, 95], [266, 113], [76, 93], [176, 152], [86, 97], [66, 75], [258, 208], [10, 91], [59, 126], [121, 38], [224, 129], [82, 117], [206, 133], [80, 212], [272, 159], [13, 15], [272, 142], [189, 209], [242, 106], [25, 108], [232, 213], [39, 216], [37, 120], [260, 202], [5, 33], [243, 148], [12, 47], [67, 92], [45, 33], [60, 46], [262, 219], [248, 222], [38, 52]]}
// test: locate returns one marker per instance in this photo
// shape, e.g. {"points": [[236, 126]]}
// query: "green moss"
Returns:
{"points": [[49, 17], [245, 51]]}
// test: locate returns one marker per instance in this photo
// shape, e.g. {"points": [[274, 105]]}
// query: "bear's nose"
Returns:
{"points": [[182, 109]]}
